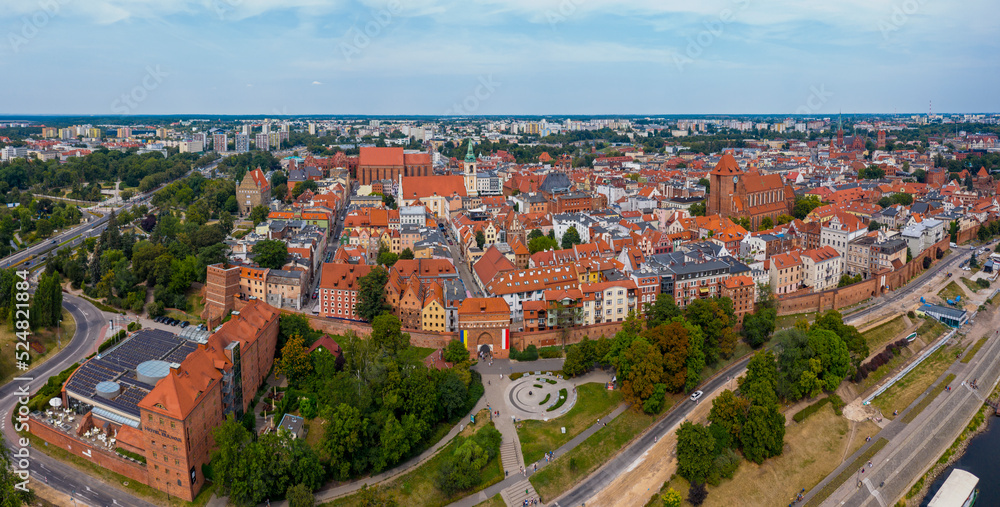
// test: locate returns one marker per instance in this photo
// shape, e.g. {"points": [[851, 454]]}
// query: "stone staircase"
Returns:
{"points": [[508, 458], [514, 496]]}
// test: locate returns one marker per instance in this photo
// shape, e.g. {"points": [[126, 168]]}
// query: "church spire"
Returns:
{"points": [[469, 156]]}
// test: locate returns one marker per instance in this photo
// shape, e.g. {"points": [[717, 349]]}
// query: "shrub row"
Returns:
{"points": [[891, 350], [810, 410]]}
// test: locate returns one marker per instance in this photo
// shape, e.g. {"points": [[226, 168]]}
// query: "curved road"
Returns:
{"points": [[63, 477]]}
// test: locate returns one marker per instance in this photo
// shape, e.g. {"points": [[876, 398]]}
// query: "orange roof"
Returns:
{"points": [[727, 166], [338, 276], [735, 282], [417, 187], [483, 305], [380, 157]]}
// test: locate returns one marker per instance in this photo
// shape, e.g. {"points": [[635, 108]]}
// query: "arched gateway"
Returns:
{"points": [[484, 325]]}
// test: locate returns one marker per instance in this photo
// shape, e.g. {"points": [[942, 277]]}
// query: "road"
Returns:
{"points": [[880, 303], [612, 469], [58, 475], [916, 446], [459, 260]]}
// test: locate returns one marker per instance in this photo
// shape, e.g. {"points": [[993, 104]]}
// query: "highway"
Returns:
{"points": [[84, 488]]}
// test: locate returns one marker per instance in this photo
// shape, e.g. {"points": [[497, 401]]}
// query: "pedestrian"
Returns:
{"points": [[536, 467]]}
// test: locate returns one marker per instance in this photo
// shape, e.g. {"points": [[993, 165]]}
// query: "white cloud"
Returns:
{"points": [[316, 83]]}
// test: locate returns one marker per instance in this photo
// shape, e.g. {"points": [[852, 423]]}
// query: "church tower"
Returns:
{"points": [[722, 186], [470, 172]]}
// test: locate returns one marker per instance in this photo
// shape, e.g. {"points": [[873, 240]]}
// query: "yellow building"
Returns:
{"points": [[433, 316]]}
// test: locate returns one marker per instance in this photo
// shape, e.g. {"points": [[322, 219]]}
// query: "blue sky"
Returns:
{"points": [[497, 56]]}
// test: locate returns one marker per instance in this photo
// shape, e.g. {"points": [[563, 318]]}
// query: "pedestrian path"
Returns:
{"points": [[515, 495]]}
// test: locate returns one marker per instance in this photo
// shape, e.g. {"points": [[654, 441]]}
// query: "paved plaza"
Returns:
{"points": [[533, 396]]}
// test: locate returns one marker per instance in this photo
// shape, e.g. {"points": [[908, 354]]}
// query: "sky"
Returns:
{"points": [[498, 57]]}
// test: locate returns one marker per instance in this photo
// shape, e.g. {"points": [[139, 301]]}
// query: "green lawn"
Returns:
{"points": [[50, 339], [418, 487], [883, 371], [915, 411], [970, 284], [878, 336], [931, 330], [538, 437], [975, 348], [950, 291], [423, 352], [573, 466], [908, 388]]}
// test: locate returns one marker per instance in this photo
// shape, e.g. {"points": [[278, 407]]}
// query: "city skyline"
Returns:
{"points": [[569, 57]]}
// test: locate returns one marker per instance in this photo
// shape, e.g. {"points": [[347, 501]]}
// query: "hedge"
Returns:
{"points": [[112, 341], [810, 410]]}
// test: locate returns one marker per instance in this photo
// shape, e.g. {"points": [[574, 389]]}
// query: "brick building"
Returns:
{"points": [[222, 284], [390, 163], [484, 326], [162, 395], [751, 195], [253, 191], [743, 292], [338, 289]]}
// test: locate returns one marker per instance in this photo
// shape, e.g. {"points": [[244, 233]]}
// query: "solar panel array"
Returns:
{"points": [[118, 365]]}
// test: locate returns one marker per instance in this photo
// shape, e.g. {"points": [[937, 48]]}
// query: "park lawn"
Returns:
{"points": [[908, 388], [813, 449], [195, 304], [878, 336], [931, 330], [593, 452], [417, 487], [495, 501], [883, 371], [788, 321], [114, 480], [950, 291], [423, 352], [593, 402], [52, 340]]}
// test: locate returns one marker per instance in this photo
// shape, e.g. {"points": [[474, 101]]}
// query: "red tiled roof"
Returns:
{"points": [[380, 157]]}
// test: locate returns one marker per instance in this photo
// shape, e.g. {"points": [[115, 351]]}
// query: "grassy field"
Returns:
{"points": [[196, 304], [950, 291], [975, 348], [912, 414], [847, 472], [593, 402], [118, 481], [908, 388], [970, 284], [878, 336], [883, 371], [495, 501], [48, 338], [931, 330], [423, 352], [787, 321], [813, 449], [417, 487], [573, 466]]}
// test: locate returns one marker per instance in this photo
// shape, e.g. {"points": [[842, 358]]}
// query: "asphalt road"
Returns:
{"points": [[612, 469], [63, 477]]}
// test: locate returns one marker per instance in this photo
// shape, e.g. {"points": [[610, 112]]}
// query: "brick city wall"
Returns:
{"points": [[836, 299], [966, 235], [549, 337], [101, 457]]}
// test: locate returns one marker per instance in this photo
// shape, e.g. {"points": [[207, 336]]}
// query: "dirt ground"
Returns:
{"points": [[645, 476], [49, 496]]}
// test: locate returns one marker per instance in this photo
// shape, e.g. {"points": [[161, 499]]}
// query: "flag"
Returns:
{"points": [[505, 339], [465, 338]]}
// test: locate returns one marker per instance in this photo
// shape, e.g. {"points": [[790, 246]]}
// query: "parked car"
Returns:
{"points": [[185, 324]]}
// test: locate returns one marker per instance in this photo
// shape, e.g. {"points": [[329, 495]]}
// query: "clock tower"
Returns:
{"points": [[722, 186], [469, 164]]}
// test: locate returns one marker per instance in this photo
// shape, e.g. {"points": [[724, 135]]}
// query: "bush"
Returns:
{"points": [[984, 283], [838, 404], [463, 469], [530, 353], [134, 326], [723, 467], [111, 341], [654, 403], [550, 352], [910, 314], [810, 410], [697, 494]]}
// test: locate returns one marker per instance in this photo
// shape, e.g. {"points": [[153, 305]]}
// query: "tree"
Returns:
{"points": [[480, 239], [571, 237], [953, 231], [371, 294], [805, 205], [303, 186], [300, 495], [14, 491], [758, 326], [673, 341], [456, 352], [535, 233], [729, 412], [386, 258], [259, 214], [661, 311], [388, 335], [695, 451], [671, 498], [765, 224], [640, 368], [295, 363], [763, 432], [697, 209], [541, 243], [343, 437], [406, 254], [784, 219], [270, 253], [697, 494]]}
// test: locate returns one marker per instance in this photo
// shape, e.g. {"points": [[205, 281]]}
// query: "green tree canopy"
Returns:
{"points": [[270, 253]]}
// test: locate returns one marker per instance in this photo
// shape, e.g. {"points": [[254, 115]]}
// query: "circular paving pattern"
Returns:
{"points": [[531, 396]]}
